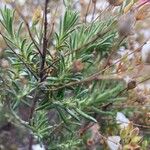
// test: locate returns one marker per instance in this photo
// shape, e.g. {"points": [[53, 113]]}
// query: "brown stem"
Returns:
{"points": [[87, 11], [52, 26], [112, 52], [94, 10], [43, 58], [30, 142], [32, 109], [143, 3]]}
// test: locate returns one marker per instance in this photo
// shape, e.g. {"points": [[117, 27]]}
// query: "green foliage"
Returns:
{"points": [[67, 91], [67, 26], [40, 125]]}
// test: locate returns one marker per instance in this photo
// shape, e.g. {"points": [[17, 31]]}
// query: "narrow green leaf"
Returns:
{"points": [[80, 112], [72, 114]]}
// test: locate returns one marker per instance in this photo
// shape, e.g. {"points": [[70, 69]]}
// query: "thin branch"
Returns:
{"points": [[27, 26], [113, 50], [87, 11], [127, 106], [43, 57], [4, 83], [42, 64], [85, 129], [102, 12], [30, 142], [121, 92], [94, 10], [30, 70], [126, 89], [89, 79], [143, 3], [52, 26], [35, 99], [135, 124], [144, 80], [93, 76]]}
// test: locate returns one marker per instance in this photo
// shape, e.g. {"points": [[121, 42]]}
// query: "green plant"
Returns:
{"points": [[60, 83]]}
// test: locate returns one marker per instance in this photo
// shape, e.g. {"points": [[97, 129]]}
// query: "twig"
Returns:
{"points": [[144, 80], [94, 10], [121, 92], [30, 70], [102, 12], [118, 106], [4, 82], [43, 57], [143, 3], [113, 50], [83, 131], [93, 76], [42, 64], [52, 26], [87, 11], [30, 141], [27, 26], [135, 124]]}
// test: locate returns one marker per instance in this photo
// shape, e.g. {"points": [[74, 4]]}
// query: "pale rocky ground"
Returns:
{"points": [[142, 34]]}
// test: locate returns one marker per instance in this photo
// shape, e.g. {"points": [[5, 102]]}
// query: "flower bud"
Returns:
{"points": [[131, 84], [4, 64], [23, 80], [78, 66], [126, 24]]}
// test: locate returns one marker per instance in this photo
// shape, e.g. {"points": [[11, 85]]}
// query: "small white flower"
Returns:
{"points": [[127, 79], [146, 53], [21, 2], [38, 147], [113, 142], [102, 5], [122, 120]]}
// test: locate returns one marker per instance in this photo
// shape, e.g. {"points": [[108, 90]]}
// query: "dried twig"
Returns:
{"points": [[125, 89], [43, 57], [52, 26], [42, 64], [87, 10], [94, 10], [27, 26], [135, 124], [93, 76]]}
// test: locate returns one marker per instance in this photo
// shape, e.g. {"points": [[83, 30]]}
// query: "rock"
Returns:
{"points": [[146, 53]]}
